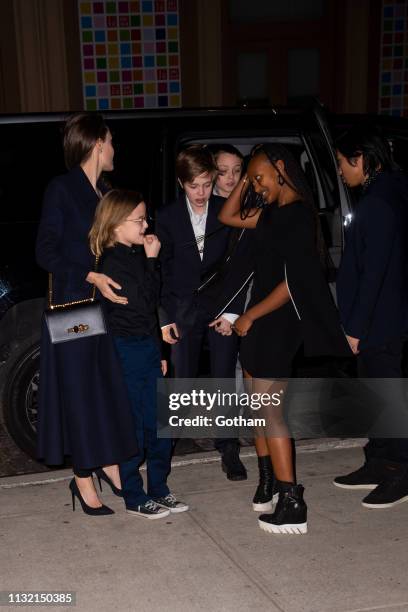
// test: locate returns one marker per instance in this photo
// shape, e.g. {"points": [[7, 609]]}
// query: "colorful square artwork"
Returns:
{"points": [[394, 56], [130, 54]]}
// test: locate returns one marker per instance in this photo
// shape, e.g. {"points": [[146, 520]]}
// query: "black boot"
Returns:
{"points": [[265, 495], [290, 514], [231, 463]]}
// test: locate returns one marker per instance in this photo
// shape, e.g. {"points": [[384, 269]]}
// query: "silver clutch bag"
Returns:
{"points": [[78, 319]]}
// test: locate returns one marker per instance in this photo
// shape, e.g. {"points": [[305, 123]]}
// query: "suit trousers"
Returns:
{"points": [[223, 351], [385, 362], [140, 359]]}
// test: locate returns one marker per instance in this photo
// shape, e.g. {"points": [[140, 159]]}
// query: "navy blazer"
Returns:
{"points": [[372, 282], [62, 242], [183, 271]]}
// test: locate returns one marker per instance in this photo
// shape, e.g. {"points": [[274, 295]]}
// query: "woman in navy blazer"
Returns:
{"points": [[84, 409]]}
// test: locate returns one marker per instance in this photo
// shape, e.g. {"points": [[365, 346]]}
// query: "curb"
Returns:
{"points": [[303, 447]]}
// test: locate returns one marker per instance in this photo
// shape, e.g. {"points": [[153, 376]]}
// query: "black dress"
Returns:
{"points": [[285, 250], [84, 409]]}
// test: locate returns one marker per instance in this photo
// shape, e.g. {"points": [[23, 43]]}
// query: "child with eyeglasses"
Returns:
{"points": [[118, 235]]}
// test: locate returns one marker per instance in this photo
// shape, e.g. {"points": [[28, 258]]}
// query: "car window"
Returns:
{"points": [[399, 146], [30, 155], [137, 157], [322, 178], [296, 144]]}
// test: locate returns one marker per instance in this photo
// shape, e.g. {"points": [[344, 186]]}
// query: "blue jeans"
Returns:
{"points": [[140, 359]]}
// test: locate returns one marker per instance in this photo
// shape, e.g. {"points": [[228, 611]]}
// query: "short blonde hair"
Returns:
{"points": [[111, 211]]}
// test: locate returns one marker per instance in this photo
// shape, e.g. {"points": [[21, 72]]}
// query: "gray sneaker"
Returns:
{"points": [[171, 503], [149, 510]]}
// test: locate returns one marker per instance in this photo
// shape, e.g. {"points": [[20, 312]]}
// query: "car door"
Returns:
{"points": [[335, 207]]}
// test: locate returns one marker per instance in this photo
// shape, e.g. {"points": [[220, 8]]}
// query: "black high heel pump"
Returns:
{"points": [[100, 474], [102, 510]]}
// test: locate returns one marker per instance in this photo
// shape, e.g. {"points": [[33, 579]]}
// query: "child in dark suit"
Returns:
{"points": [[194, 247], [129, 256]]}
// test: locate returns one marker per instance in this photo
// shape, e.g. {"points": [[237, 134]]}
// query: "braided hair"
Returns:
{"points": [[295, 178]]}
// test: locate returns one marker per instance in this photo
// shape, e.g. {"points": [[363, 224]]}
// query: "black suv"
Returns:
{"points": [[146, 144]]}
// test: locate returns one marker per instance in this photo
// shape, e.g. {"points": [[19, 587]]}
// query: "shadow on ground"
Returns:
{"points": [[15, 462]]}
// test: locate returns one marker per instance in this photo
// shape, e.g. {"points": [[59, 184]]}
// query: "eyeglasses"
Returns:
{"points": [[140, 220]]}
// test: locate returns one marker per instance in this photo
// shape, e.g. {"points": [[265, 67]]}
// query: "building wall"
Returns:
{"points": [[201, 39], [42, 54], [364, 44], [45, 66], [393, 77], [129, 54]]}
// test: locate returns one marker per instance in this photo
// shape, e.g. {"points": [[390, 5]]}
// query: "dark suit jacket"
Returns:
{"points": [[62, 242], [182, 269], [372, 283]]}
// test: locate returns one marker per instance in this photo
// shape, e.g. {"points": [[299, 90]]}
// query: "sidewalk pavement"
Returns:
{"points": [[214, 557]]}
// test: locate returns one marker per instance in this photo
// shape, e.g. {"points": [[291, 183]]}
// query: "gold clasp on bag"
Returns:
{"points": [[78, 329]]}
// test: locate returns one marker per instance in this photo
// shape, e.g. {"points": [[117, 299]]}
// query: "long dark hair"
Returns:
{"points": [[368, 141], [295, 178]]}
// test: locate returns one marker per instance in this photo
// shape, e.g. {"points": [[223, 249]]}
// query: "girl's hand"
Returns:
{"points": [[242, 325], [167, 336], [222, 326], [163, 367], [151, 245], [105, 284]]}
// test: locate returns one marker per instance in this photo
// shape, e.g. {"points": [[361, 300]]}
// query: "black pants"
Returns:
{"points": [[384, 362], [223, 350]]}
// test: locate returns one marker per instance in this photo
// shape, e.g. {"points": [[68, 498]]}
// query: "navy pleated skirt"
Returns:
{"points": [[84, 409]]}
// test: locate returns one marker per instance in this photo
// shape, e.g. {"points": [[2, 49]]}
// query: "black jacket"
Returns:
{"points": [[183, 272], [372, 283], [139, 278], [230, 285], [310, 294]]}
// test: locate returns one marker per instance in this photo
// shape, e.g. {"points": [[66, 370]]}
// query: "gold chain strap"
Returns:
{"points": [[52, 306]]}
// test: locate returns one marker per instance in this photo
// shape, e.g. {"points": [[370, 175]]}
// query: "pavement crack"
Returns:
{"points": [[223, 546]]}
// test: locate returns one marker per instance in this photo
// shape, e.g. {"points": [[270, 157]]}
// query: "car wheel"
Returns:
{"points": [[20, 399]]}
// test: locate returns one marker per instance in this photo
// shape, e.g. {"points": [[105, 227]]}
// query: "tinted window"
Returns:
{"points": [[137, 159], [30, 155], [399, 144]]}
